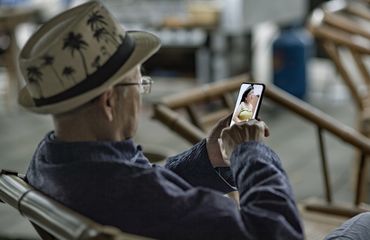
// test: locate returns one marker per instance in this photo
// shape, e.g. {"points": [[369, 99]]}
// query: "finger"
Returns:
{"points": [[218, 127], [256, 129], [233, 133], [267, 131], [224, 132], [252, 122], [225, 121], [265, 128], [240, 130]]}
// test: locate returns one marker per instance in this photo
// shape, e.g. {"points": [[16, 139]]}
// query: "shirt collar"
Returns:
{"points": [[61, 152]]}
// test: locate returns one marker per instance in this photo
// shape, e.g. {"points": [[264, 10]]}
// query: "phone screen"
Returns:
{"points": [[248, 102]]}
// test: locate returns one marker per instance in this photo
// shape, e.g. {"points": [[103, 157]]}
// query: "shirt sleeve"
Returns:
{"points": [[267, 208], [266, 197], [358, 227], [194, 166]]}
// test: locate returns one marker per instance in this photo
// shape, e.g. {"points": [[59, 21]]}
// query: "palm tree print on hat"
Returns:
{"points": [[74, 42], [34, 76], [49, 61], [96, 20], [104, 51], [98, 25], [68, 72], [103, 33], [96, 62]]}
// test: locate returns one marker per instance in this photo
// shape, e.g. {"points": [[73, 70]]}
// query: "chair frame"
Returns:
{"points": [[51, 219], [337, 25]]}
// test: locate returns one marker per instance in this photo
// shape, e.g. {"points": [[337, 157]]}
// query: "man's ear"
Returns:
{"points": [[106, 103]]}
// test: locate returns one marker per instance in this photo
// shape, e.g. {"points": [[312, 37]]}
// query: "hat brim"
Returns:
{"points": [[146, 44]]}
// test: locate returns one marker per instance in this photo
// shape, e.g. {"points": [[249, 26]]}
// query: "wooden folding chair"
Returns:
{"points": [[189, 113], [342, 26], [51, 219]]}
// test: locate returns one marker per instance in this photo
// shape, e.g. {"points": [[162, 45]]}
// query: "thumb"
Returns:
{"points": [[225, 121], [219, 126]]}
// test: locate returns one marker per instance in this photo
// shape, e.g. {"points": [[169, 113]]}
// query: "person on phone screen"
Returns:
{"points": [[247, 105], [83, 69]]}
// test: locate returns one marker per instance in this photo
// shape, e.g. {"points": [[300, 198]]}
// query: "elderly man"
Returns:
{"points": [[84, 69]]}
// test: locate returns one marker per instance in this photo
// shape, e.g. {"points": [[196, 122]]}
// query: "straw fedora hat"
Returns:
{"points": [[76, 56]]}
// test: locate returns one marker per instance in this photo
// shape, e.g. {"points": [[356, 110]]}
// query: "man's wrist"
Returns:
{"points": [[214, 153]]}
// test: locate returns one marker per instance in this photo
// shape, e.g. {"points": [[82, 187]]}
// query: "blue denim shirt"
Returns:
{"points": [[114, 184], [356, 228]]}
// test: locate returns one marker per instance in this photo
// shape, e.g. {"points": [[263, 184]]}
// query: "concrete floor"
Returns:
{"points": [[291, 137]]}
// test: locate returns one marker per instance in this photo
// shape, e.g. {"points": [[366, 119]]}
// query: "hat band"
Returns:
{"points": [[94, 80]]}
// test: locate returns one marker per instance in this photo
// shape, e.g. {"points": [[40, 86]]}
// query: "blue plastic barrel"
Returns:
{"points": [[12, 3], [291, 52]]}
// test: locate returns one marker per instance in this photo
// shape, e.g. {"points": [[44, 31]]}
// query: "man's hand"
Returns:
{"points": [[238, 133], [213, 146]]}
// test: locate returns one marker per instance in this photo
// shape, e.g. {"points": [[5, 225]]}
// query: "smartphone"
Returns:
{"points": [[248, 102]]}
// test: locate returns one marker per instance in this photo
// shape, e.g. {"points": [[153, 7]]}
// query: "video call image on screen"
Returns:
{"points": [[247, 102]]}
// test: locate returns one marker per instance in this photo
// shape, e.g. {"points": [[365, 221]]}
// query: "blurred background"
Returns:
{"points": [[203, 42]]}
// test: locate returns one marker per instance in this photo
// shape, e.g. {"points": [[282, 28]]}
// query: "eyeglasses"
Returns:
{"points": [[145, 85]]}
